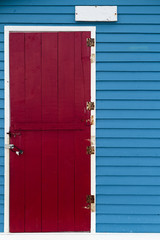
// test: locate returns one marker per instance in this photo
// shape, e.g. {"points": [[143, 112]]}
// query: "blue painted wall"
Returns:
{"points": [[128, 106]]}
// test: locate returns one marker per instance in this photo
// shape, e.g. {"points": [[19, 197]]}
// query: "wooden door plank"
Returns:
{"points": [[49, 138], [33, 83], [49, 78], [17, 90], [33, 140], [82, 138], [16, 209], [86, 62], [86, 53], [66, 138]]}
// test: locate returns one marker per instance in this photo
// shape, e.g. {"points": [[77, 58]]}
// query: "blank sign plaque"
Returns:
{"points": [[96, 13]]}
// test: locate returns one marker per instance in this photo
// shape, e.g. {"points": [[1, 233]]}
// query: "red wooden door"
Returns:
{"points": [[49, 88]]}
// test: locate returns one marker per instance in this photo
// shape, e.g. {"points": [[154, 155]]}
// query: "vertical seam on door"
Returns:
{"points": [[74, 134], [57, 137], [24, 135], [41, 121]]}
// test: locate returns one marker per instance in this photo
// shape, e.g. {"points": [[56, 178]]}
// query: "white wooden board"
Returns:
{"points": [[96, 13], [80, 236]]}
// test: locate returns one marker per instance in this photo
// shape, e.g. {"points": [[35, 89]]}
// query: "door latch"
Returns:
{"points": [[15, 149], [13, 134]]}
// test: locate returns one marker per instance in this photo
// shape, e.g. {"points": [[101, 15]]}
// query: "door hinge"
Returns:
{"points": [[90, 121], [90, 42], [90, 150], [93, 58], [90, 106], [90, 199]]}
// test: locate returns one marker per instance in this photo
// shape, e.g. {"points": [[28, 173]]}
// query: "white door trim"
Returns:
{"points": [[79, 236], [7, 30]]}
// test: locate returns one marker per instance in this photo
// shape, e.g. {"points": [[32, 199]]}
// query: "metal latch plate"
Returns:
{"points": [[9, 146]]}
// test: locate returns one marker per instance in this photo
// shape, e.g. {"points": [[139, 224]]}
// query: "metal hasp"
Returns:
{"points": [[13, 148], [90, 150], [90, 42], [90, 106]]}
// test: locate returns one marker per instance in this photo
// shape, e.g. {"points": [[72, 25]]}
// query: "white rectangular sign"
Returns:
{"points": [[96, 13]]}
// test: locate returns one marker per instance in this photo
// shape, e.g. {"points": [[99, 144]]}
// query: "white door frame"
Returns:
{"points": [[7, 30]]}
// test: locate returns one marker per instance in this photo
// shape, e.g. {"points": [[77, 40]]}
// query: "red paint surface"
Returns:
{"points": [[33, 146], [49, 88], [17, 114], [49, 138]]}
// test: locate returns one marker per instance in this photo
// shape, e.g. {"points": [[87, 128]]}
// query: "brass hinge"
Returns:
{"points": [[90, 121], [90, 42], [90, 203], [90, 106], [90, 199], [90, 150]]}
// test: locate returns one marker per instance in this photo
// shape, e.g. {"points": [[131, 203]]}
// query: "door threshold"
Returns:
{"points": [[78, 236]]}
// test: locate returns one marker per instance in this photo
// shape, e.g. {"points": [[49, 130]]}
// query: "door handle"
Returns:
{"points": [[15, 149]]}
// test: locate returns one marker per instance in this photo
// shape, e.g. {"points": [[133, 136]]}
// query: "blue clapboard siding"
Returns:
{"points": [[128, 106], [77, 2]]}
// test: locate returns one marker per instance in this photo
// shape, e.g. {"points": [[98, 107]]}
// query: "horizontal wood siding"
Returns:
{"points": [[128, 106]]}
